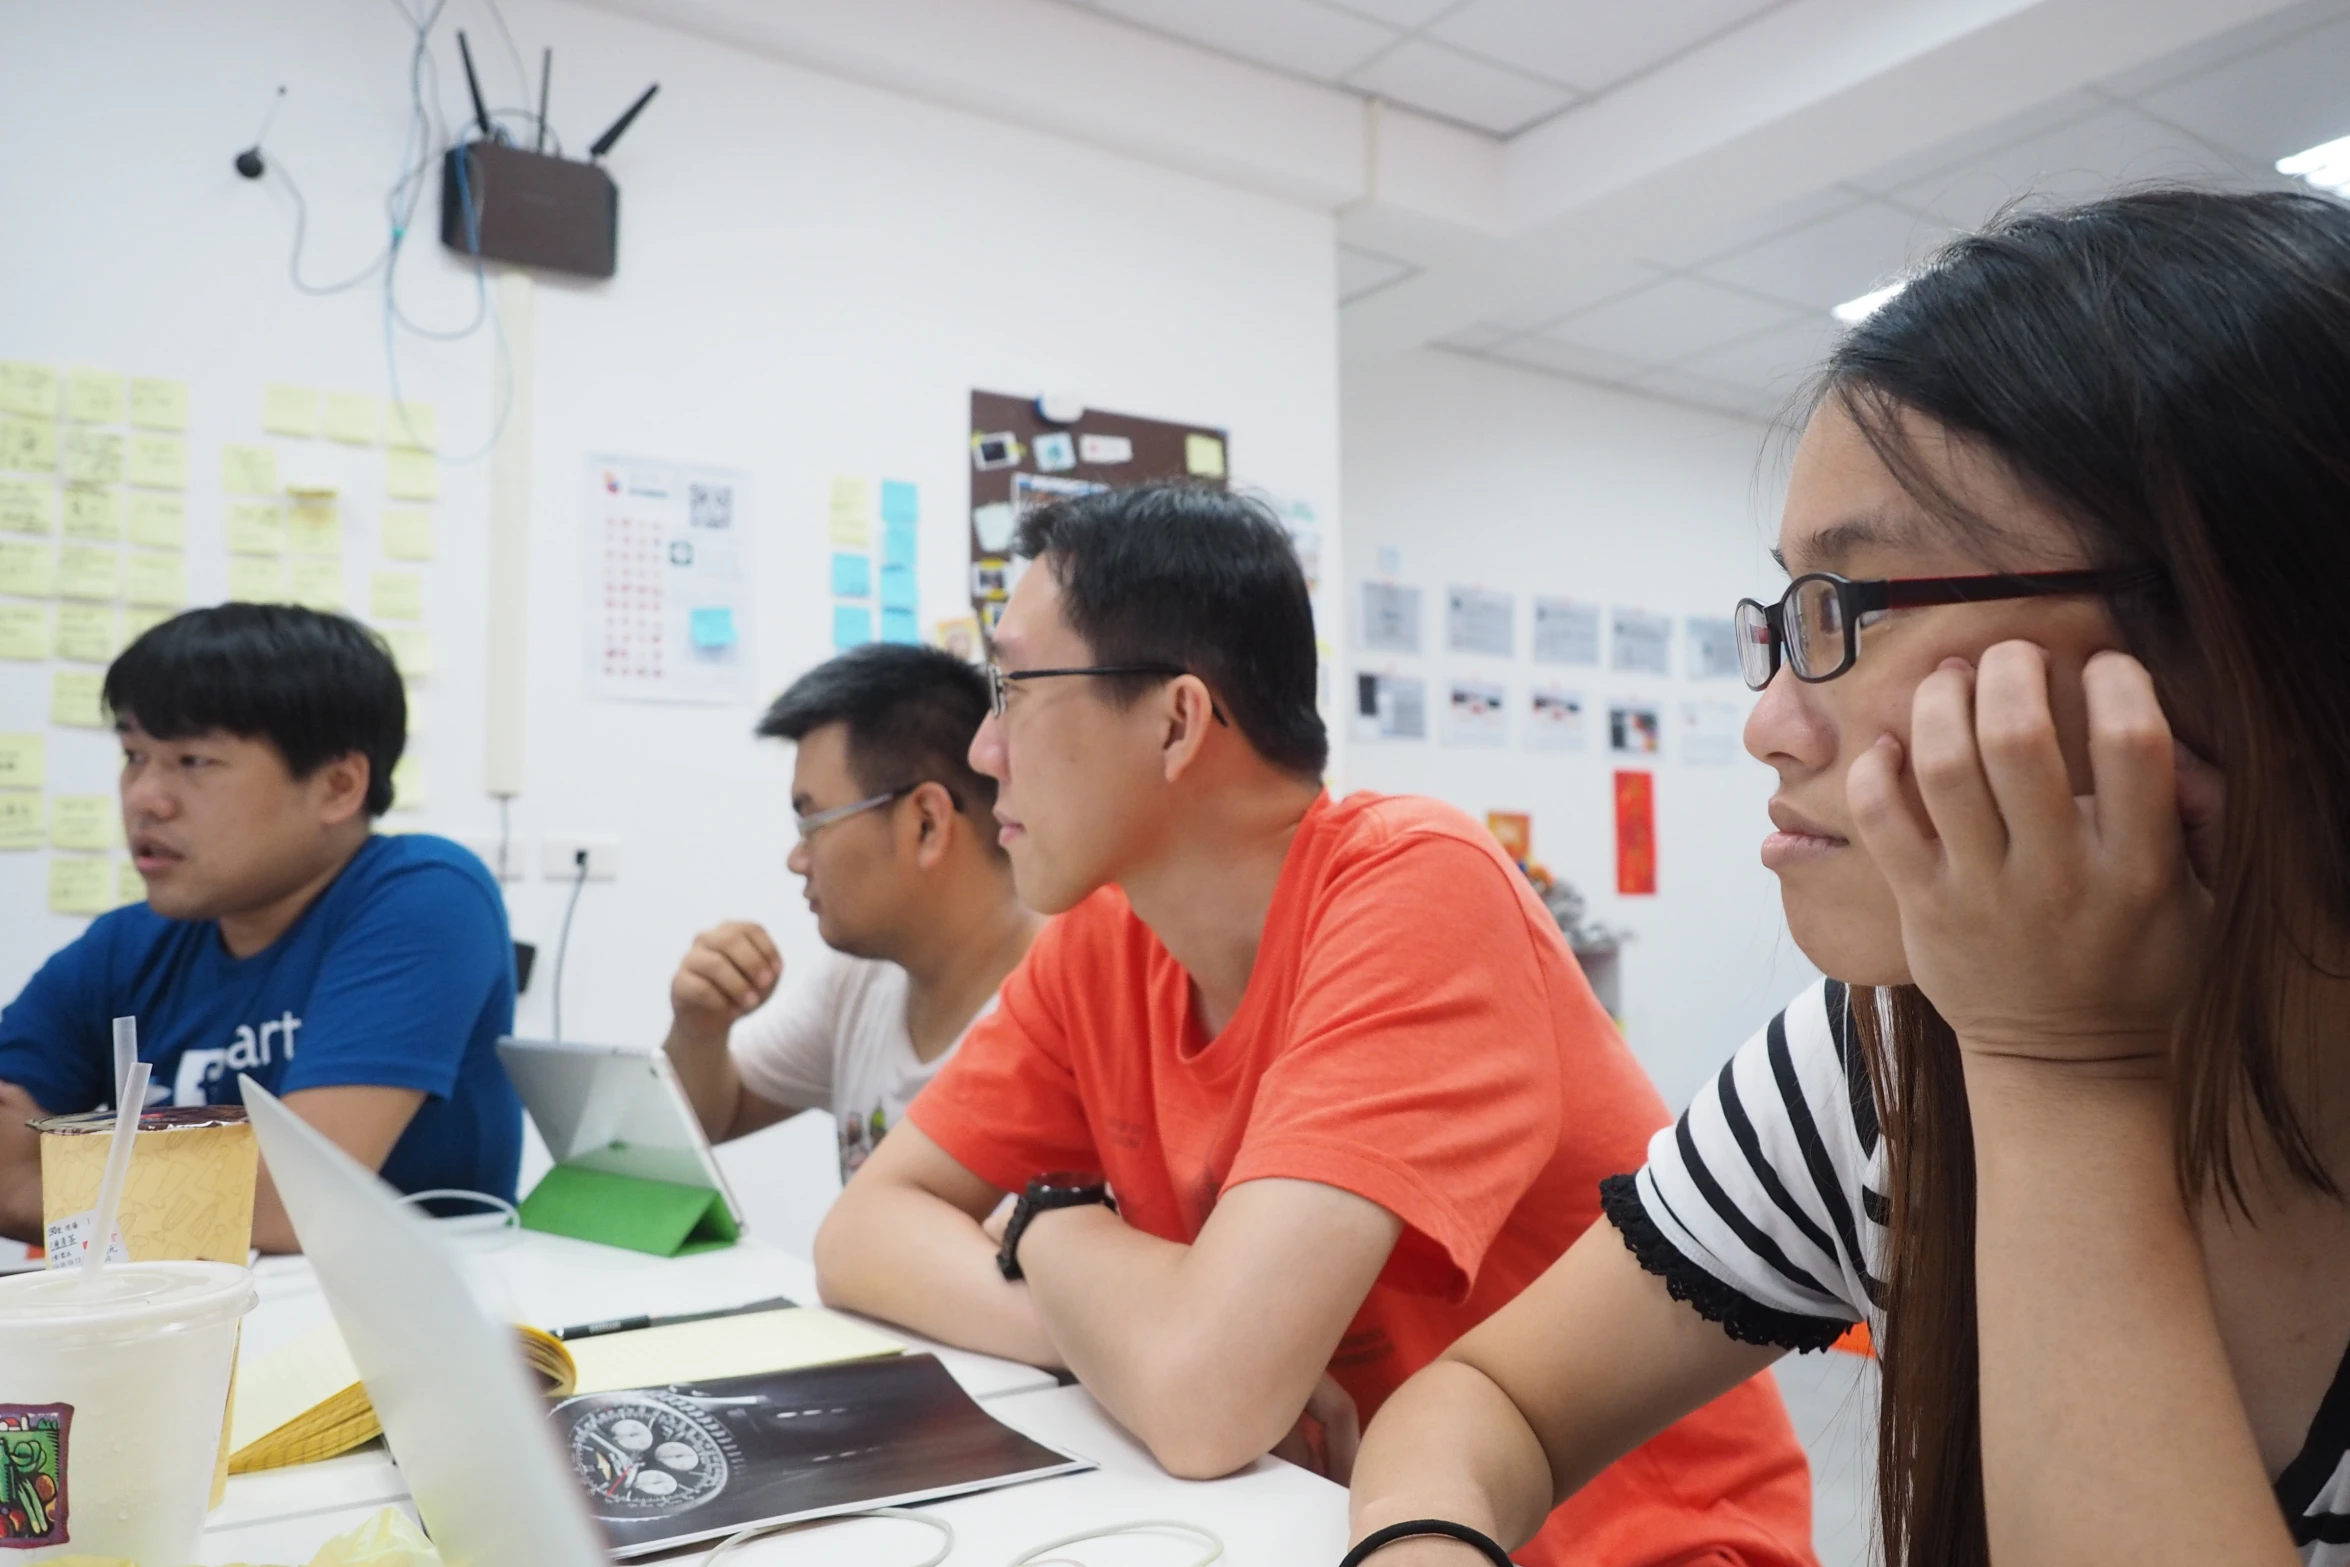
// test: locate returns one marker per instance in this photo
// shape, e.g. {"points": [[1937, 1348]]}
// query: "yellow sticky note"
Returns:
{"points": [[248, 470], [316, 584], [289, 410], [258, 579], [395, 595], [129, 886], [80, 884], [416, 425], [94, 397], [411, 475], [76, 699], [411, 650], [159, 462], [28, 389], [86, 632], [22, 761], [256, 528], [408, 783], [852, 513], [27, 506], [92, 456], [156, 579], [157, 404], [407, 533], [27, 570], [28, 445], [314, 526], [136, 623], [24, 631], [93, 513], [158, 521], [1203, 456], [85, 821], [21, 825], [85, 572], [353, 417]]}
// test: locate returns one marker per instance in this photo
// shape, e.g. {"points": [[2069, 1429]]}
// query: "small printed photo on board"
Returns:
{"points": [[1635, 728], [991, 579], [1477, 620], [1103, 451], [1713, 649], [1391, 618], [959, 636], [1643, 642], [1390, 707], [992, 524], [1056, 452], [1035, 491], [1476, 712], [1565, 632], [1554, 721], [999, 450], [1709, 733]]}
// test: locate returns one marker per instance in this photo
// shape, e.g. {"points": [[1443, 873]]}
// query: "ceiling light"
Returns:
{"points": [[2326, 165], [1854, 311]]}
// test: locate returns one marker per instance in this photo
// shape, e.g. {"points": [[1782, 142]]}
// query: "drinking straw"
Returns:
{"points": [[118, 1169], [126, 1053]]}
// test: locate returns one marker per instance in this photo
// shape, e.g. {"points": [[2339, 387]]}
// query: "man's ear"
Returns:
{"points": [[935, 822], [1189, 712], [341, 784]]}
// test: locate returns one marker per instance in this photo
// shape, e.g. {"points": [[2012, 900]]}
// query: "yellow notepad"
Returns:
{"points": [[781, 1340]]}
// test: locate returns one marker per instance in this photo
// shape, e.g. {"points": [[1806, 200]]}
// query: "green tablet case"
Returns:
{"points": [[659, 1217]]}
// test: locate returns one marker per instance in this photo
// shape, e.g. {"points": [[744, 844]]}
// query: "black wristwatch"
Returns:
{"points": [[1060, 1189]]}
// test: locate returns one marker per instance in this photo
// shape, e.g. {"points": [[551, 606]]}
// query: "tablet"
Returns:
{"points": [[615, 1109]]}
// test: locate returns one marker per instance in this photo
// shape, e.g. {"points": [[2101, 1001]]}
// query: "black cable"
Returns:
{"points": [[563, 942]]}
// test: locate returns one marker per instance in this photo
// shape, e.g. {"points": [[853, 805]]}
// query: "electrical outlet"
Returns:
{"points": [[559, 858], [485, 848]]}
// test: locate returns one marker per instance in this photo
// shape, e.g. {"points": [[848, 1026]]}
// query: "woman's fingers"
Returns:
{"points": [[1949, 769], [1889, 829], [2131, 760], [2015, 733]]}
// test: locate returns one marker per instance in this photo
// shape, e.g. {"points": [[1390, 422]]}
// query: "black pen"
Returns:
{"points": [[631, 1324]]}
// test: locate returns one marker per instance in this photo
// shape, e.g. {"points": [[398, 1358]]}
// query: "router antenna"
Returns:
{"points": [[481, 113], [546, 70], [605, 141]]}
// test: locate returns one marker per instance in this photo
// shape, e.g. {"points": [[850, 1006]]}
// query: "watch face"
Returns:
{"points": [[646, 1454]]}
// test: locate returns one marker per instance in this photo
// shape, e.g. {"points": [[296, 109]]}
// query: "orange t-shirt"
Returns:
{"points": [[1414, 1031]]}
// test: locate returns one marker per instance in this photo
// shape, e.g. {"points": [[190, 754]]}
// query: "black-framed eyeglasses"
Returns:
{"points": [[1815, 626], [811, 823], [999, 680]]}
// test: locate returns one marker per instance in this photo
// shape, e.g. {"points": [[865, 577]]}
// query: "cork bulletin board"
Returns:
{"points": [[1020, 460]]}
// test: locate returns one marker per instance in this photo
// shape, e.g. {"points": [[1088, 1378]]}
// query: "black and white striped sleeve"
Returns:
{"points": [[1761, 1206]]}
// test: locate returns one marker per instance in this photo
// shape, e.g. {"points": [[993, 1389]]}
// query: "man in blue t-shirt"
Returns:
{"points": [[363, 979]]}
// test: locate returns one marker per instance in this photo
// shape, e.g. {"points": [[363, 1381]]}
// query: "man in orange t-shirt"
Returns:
{"points": [[1332, 1060]]}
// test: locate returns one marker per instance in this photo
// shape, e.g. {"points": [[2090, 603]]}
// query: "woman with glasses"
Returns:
{"points": [[2059, 702]]}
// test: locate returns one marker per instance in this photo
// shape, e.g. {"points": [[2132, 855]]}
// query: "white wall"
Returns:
{"points": [[1478, 474], [813, 276]]}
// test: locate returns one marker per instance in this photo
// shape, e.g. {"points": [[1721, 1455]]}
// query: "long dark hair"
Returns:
{"points": [[2169, 371]]}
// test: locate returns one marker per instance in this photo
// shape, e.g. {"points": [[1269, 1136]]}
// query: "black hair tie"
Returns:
{"points": [[1379, 1538]]}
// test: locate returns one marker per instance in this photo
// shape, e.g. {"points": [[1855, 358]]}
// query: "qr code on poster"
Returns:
{"points": [[710, 506]]}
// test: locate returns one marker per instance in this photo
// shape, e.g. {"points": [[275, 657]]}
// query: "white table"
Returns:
{"points": [[1270, 1513]]}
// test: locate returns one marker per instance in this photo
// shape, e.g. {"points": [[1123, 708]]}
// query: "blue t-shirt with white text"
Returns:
{"points": [[399, 975]]}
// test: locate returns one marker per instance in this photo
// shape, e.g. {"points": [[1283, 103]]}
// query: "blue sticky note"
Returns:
{"points": [[713, 628], [852, 625], [897, 588], [897, 625], [852, 576], [897, 544], [898, 503]]}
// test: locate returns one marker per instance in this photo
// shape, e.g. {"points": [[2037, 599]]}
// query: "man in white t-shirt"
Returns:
{"points": [[909, 887]]}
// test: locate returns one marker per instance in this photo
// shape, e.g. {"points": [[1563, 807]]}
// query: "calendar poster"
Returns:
{"points": [[669, 607]]}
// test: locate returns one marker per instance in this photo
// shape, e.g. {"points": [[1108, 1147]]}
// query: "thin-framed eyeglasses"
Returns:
{"points": [[815, 821], [999, 680], [1814, 628]]}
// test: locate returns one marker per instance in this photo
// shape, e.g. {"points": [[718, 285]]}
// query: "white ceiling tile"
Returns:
{"points": [[1476, 338], [1409, 15], [1446, 82], [2269, 104], [1362, 272], [1542, 353], [1957, 151], [1590, 46], [1289, 35], [1683, 386], [2088, 158], [1784, 218], [1828, 262], [1775, 363], [2220, 48], [1669, 321]]}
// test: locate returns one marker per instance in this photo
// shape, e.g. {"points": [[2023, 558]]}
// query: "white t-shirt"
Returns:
{"points": [[836, 1040]]}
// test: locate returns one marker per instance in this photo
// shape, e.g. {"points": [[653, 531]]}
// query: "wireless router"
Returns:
{"points": [[527, 206]]}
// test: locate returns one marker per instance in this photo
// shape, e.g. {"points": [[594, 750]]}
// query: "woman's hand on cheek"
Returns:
{"points": [[2042, 926]]}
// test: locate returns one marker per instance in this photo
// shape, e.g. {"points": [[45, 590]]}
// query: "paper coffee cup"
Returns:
{"points": [[189, 1195], [112, 1394]]}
